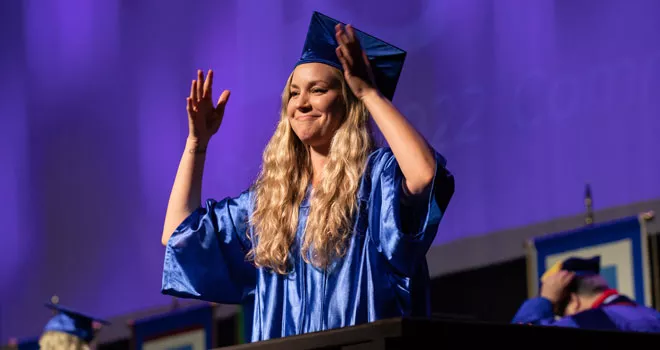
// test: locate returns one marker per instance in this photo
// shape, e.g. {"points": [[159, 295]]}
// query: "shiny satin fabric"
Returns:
{"points": [[383, 274]]}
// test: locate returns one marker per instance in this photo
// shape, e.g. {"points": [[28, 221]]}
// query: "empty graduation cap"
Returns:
{"points": [[72, 322], [386, 60]]}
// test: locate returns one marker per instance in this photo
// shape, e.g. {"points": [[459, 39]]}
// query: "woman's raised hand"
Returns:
{"points": [[204, 118]]}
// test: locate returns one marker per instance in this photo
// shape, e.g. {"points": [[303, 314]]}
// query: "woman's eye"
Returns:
{"points": [[293, 93], [318, 91]]}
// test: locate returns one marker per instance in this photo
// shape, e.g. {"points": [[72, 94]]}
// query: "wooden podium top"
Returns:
{"points": [[405, 333]]}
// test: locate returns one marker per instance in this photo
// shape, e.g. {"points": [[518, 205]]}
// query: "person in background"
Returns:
{"points": [[574, 294], [334, 232], [69, 330]]}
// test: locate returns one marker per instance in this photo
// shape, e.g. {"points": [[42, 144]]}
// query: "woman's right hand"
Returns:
{"points": [[203, 118]]}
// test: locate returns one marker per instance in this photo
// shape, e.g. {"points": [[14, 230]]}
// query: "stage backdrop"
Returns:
{"points": [[528, 100]]}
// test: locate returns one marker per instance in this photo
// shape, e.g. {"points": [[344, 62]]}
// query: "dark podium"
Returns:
{"points": [[407, 333]]}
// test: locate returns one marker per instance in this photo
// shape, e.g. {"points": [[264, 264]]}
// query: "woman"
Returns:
{"points": [[334, 232], [70, 330]]}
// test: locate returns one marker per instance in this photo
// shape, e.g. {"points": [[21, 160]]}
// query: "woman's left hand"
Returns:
{"points": [[357, 70]]}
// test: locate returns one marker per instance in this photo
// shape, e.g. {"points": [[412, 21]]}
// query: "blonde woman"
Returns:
{"points": [[54, 340], [334, 230], [70, 330]]}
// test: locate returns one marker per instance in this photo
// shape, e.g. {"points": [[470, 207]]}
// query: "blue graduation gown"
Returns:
{"points": [[619, 313], [383, 274]]}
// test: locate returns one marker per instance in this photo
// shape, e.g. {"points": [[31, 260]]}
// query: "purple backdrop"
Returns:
{"points": [[527, 99]]}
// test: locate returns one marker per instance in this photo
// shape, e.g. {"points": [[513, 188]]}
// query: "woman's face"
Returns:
{"points": [[316, 105]]}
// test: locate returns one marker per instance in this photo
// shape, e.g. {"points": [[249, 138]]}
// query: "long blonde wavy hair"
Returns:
{"points": [[283, 181]]}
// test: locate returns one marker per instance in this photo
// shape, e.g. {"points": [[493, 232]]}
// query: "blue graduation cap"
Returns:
{"points": [[386, 60], [581, 267], [72, 322]]}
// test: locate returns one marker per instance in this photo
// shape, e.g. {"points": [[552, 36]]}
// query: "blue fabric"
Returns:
{"points": [[639, 318], [383, 274], [386, 60], [29, 344], [537, 311]]}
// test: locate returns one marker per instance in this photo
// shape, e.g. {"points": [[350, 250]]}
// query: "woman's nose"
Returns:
{"points": [[302, 102]]}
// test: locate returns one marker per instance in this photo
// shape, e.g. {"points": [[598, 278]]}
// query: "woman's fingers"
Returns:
{"points": [[222, 101], [208, 84], [200, 84], [346, 38], [189, 106], [343, 41], [342, 60], [203, 117], [342, 37], [350, 34], [193, 90]]}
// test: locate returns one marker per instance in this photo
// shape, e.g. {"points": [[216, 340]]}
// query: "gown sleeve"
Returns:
{"points": [[535, 311], [205, 258], [403, 229]]}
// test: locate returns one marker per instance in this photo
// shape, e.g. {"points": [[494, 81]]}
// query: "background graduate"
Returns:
{"points": [[574, 294]]}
